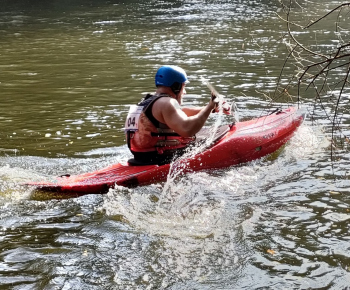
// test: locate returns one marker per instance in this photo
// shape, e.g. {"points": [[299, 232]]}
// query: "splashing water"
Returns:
{"points": [[306, 141], [178, 167], [203, 214], [197, 204], [11, 179]]}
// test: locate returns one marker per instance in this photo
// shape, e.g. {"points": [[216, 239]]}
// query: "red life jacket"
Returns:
{"points": [[144, 134]]}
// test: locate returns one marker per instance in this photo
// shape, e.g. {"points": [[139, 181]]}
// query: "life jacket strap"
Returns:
{"points": [[129, 135]]}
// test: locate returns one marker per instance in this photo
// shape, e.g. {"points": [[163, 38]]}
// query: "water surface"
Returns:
{"points": [[69, 71]]}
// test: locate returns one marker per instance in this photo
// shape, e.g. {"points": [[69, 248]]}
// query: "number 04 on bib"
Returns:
{"points": [[132, 120]]}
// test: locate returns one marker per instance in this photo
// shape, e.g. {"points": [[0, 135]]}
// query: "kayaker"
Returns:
{"points": [[158, 128]]}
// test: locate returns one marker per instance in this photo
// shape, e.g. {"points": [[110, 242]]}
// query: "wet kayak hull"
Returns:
{"points": [[245, 141]]}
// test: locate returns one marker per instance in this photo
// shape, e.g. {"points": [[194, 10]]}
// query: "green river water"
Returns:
{"points": [[69, 71]]}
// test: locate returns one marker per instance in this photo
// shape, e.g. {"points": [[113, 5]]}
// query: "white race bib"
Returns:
{"points": [[132, 120]]}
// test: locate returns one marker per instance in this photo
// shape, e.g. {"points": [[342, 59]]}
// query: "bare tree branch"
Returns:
{"points": [[320, 69]]}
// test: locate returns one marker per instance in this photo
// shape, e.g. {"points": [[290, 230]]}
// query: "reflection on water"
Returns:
{"points": [[69, 71]]}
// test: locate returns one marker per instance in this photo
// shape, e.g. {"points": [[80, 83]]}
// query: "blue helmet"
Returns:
{"points": [[169, 75]]}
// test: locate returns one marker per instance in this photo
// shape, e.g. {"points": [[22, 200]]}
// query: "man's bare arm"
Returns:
{"points": [[190, 111], [168, 111]]}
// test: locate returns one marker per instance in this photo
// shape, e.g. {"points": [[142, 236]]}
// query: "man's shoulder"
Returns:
{"points": [[169, 102]]}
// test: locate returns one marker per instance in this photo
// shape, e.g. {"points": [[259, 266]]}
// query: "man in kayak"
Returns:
{"points": [[158, 128]]}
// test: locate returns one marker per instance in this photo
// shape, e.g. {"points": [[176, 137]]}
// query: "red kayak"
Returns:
{"points": [[235, 144]]}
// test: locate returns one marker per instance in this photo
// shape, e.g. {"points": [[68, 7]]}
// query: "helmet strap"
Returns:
{"points": [[176, 88]]}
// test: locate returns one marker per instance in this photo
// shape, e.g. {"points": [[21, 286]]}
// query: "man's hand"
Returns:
{"points": [[225, 106]]}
